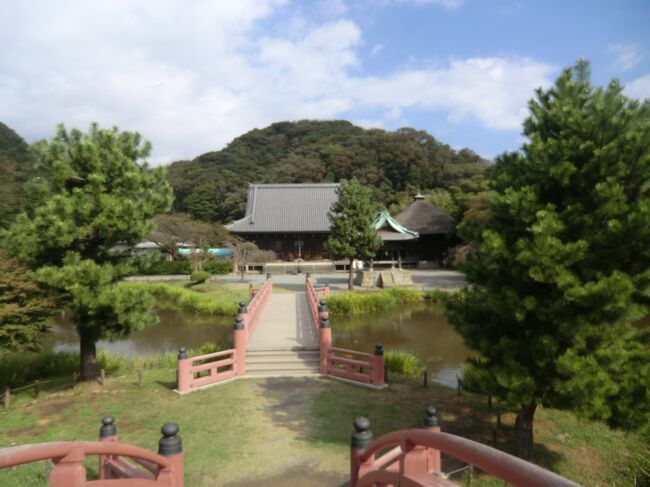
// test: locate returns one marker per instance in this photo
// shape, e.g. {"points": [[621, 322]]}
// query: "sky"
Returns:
{"points": [[191, 75]]}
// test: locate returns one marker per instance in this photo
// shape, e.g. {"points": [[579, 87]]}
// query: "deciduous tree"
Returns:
{"points": [[352, 235], [563, 258], [25, 308], [96, 193]]}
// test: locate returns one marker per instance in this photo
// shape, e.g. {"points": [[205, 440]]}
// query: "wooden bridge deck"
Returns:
{"points": [[285, 324]]}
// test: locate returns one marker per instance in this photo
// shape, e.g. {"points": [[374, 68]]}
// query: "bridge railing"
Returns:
{"points": [[366, 368], [116, 460], [196, 372], [360, 367], [413, 457]]}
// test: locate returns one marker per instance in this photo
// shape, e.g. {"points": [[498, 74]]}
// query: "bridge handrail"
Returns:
{"points": [[210, 355], [513, 470], [18, 455], [350, 352]]}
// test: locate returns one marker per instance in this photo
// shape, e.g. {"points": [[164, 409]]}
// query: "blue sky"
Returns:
{"points": [[191, 76]]}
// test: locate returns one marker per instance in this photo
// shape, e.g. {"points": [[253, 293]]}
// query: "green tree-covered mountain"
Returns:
{"points": [[397, 164], [16, 165]]}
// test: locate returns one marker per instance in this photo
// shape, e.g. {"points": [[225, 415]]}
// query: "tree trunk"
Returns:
{"points": [[350, 276], [524, 431], [88, 353]]}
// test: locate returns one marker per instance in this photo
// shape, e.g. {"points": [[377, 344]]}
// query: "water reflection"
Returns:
{"points": [[422, 330], [176, 329]]}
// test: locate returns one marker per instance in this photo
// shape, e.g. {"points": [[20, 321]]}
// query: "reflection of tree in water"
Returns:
{"points": [[175, 329], [422, 330]]}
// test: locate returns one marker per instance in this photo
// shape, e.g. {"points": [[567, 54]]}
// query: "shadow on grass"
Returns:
{"points": [[321, 411], [167, 384]]}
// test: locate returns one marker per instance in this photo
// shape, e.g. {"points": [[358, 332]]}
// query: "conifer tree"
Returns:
{"points": [[352, 235], [93, 192], [563, 260]]}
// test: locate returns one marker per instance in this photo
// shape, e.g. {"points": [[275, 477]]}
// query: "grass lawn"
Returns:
{"points": [[292, 431]]}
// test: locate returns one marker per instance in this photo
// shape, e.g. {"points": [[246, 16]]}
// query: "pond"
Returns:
{"points": [[176, 329], [422, 330]]}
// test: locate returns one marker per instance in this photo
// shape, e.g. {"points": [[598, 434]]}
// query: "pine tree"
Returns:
{"points": [[352, 235], [92, 194], [565, 253]]}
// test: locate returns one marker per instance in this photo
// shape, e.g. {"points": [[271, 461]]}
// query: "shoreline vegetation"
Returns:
{"points": [[356, 303], [207, 298]]}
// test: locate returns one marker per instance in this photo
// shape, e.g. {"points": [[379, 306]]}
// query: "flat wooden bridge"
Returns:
{"points": [[285, 342], [284, 334]]}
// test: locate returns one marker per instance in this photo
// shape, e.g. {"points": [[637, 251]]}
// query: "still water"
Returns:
{"points": [[176, 329], [422, 330]]}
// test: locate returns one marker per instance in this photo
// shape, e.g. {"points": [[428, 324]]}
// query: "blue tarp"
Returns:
{"points": [[217, 252]]}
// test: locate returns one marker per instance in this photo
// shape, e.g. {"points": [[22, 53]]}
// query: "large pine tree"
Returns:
{"points": [[92, 193], [564, 257]]}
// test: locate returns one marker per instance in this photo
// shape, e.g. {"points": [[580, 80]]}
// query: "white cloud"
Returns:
{"points": [[639, 88], [626, 55], [492, 90], [191, 76]]}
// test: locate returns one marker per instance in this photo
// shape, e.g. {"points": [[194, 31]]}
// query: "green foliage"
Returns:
{"points": [[16, 167], [94, 193], [199, 277], [218, 266], [19, 369], [352, 234], [395, 164], [406, 364], [188, 300], [25, 308], [352, 303], [144, 266], [564, 254]]}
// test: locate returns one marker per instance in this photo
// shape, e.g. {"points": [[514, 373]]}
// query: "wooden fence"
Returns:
{"points": [[117, 460], [412, 457], [212, 368], [359, 367]]}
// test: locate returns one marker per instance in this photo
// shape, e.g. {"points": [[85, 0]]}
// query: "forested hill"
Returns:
{"points": [[397, 164], [16, 165]]}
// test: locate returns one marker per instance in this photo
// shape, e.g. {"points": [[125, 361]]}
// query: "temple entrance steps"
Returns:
{"points": [[273, 362]]}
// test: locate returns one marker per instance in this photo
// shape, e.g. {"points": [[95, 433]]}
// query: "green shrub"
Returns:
{"points": [[146, 266], [352, 303], [19, 369], [402, 363], [218, 266], [199, 277], [188, 300]]}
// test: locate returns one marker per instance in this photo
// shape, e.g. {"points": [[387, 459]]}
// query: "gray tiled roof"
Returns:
{"points": [[424, 218], [278, 208]]}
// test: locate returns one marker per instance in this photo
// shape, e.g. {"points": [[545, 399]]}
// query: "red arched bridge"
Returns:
{"points": [[406, 458]]}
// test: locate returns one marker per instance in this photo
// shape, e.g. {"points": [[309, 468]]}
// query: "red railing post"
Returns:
{"points": [[431, 424], [325, 339], [241, 342], [361, 439], [171, 447], [108, 433], [70, 470], [184, 371], [378, 366]]}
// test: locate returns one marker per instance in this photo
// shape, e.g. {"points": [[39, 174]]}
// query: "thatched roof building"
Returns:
{"points": [[424, 218]]}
